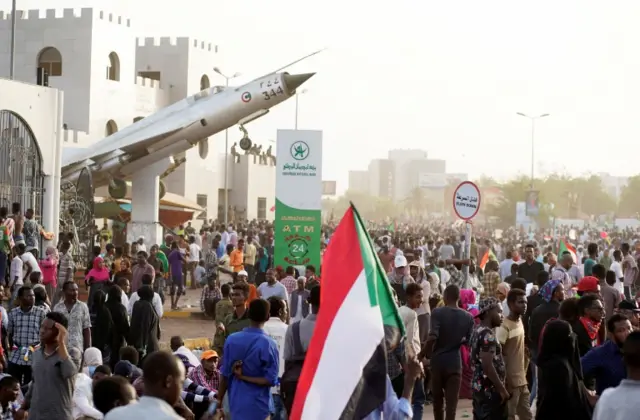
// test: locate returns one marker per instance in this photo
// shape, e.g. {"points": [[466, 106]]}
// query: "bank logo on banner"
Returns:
{"points": [[299, 150]]}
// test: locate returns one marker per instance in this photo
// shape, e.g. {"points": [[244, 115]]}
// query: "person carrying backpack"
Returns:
{"points": [[297, 342]]}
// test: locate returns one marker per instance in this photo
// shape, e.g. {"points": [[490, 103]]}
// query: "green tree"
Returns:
{"points": [[629, 205], [503, 210]]}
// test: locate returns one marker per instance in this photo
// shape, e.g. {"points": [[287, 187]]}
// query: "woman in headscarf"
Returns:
{"points": [[96, 278], [101, 325], [120, 320], [468, 303], [501, 293], [49, 268], [83, 393], [41, 298], [92, 358], [552, 293], [145, 324], [561, 391]]}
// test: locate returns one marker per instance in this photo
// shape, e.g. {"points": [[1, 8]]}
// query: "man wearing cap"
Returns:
{"points": [[630, 309], [588, 285], [399, 277], [490, 394], [207, 374], [243, 277]]}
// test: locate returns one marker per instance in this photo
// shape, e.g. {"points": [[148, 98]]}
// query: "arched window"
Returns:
{"points": [[110, 128], [136, 119], [204, 82], [50, 60], [113, 70]]}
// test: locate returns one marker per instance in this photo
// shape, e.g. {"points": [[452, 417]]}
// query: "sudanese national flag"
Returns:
{"points": [[345, 369], [565, 246]]}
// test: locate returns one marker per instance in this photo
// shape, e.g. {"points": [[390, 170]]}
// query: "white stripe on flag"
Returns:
{"points": [[356, 332]]}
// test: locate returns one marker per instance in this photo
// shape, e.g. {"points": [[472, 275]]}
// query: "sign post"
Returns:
{"points": [[466, 204], [298, 198]]}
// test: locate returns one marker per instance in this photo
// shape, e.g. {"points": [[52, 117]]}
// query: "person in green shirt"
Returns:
{"points": [[166, 246], [606, 259], [157, 258], [592, 250], [237, 320]]}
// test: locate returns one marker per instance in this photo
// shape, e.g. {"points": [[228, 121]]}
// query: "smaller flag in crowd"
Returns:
{"points": [[565, 246]]}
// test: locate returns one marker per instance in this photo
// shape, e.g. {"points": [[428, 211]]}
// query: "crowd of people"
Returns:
{"points": [[526, 332], [105, 353], [521, 325]]}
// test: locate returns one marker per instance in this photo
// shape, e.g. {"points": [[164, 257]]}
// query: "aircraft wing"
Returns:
{"points": [[97, 154], [133, 138]]}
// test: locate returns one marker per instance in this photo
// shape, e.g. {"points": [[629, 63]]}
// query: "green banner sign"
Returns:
{"points": [[298, 219]]}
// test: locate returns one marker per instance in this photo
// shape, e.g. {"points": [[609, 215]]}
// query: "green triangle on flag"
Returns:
{"points": [[392, 227], [563, 247], [376, 277]]}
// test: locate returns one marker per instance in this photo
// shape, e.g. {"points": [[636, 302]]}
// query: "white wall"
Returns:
{"points": [[182, 62], [41, 109], [84, 38], [70, 32], [250, 181]]}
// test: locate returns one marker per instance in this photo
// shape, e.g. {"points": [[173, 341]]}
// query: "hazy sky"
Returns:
{"points": [[445, 76]]}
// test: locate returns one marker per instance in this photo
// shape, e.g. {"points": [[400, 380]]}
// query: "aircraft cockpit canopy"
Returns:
{"points": [[208, 92]]}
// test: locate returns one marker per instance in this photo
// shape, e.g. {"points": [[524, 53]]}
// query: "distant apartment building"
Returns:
{"points": [[403, 171], [382, 178]]}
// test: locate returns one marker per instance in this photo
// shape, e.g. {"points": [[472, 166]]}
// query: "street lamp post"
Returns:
{"points": [[226, 151], [12, 58], [302, 92], [533, 144]]}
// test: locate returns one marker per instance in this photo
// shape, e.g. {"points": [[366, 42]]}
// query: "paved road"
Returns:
{"points": [[186, 328], [463, 412]]}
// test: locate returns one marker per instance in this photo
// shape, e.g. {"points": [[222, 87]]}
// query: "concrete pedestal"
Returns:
{"points": [[145, 203]]}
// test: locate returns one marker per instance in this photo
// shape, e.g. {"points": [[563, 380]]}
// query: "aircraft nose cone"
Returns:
{"points": [[294, 81]]}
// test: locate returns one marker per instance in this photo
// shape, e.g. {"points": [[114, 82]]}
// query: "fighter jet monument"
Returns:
{"points": [[145, 149]]}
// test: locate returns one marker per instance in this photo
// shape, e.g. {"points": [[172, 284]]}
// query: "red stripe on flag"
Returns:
{"points": [[341, 266], [485, 260]]}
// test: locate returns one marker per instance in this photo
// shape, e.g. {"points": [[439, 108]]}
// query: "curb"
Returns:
{"points": [[197, 343], [191, 343], [183, 315]]}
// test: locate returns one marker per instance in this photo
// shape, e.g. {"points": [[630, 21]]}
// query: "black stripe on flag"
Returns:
{"points": [[371, 391]]}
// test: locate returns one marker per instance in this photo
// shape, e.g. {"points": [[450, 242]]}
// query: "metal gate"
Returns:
{"points": [[21, 176], [77, 216]]}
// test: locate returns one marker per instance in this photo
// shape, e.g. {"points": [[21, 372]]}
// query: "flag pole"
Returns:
{"points": [[467, 251]]}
